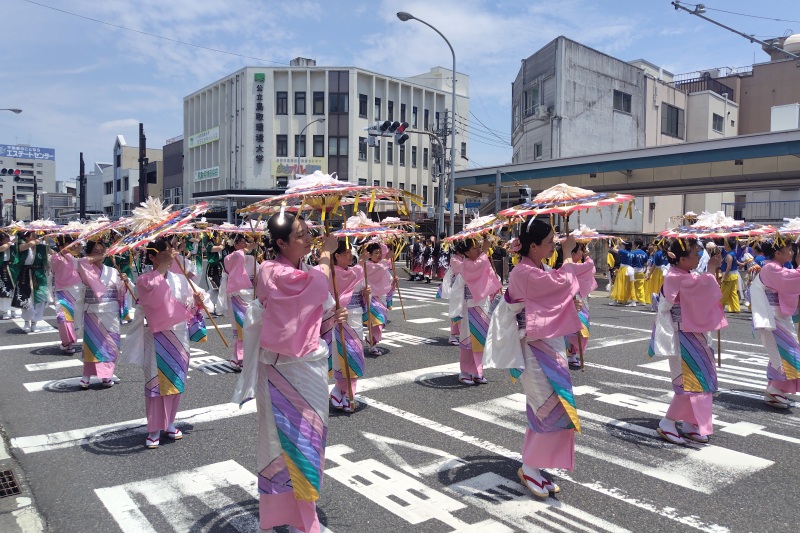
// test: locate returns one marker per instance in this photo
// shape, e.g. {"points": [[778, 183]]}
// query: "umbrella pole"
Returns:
{"points": [[580, 333], [203, 305], [580, 349], [399, 294], [719, 348], [369, 305]]}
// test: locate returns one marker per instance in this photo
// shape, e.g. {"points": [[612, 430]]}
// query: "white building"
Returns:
{"points": [[19, 165], [243, 133]]}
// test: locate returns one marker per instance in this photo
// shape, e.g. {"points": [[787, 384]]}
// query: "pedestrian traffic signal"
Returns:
{"points": [[400, 136], [9, 172]]}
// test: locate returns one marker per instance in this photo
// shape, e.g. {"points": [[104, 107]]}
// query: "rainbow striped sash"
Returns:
{"points": [[65, 311], [789, 353], [558, 411], [172, 360], [197, 328], [239, 308], [478, 326], [697, 363], [377, 314], [101, 338]]}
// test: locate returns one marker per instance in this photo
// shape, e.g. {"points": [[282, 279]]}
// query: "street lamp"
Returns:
{"points": [[402, 15], [320, 120], [13, 110]]}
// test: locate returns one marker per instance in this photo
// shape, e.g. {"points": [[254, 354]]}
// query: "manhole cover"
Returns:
{"points": [[8, 484]]}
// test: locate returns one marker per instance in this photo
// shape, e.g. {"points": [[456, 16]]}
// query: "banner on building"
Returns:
{"points": [[206, 174], [289, 166], [204, 137], [27, 152]]}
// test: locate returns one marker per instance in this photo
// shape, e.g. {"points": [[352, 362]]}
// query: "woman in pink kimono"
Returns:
{"points": [[287, 374], [381, 281], [68, 293], [168, 303], [453, 289], [352, 295], [680, 332], [103, 301], [774, 295], [587, 285], [480, 283], [526, 336], [240, 267]]}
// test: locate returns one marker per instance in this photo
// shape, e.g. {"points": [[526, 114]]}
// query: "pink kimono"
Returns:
{"points": [[241, 270], [480, 283], [69, 293], [291, 394], [104, 297], [778, 290], [679, 333], [586, 283], [547, 313], [381, 283]]}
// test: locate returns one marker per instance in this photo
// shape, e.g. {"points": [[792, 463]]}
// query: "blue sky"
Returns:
{"points": [[81, 83]]}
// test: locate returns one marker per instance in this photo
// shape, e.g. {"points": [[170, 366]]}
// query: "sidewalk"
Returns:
{"points": [[18, 513]]}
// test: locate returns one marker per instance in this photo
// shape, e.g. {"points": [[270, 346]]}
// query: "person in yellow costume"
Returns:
{"points": [[623, 291], [730, 277]]}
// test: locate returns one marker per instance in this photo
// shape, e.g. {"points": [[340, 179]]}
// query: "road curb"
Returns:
{"points": [[18, 513]]}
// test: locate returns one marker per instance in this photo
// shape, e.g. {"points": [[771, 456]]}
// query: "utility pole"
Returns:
{"points": [[13, 204], [35, 198], [445, 179], [142, 164], [82, 191]]}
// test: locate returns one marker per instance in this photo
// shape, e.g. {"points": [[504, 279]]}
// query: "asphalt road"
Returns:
{"points": [[422, 452]]}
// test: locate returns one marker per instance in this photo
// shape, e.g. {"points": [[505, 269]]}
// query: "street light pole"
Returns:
{"points": [[403, 16], [320, 120], [13, 110]]}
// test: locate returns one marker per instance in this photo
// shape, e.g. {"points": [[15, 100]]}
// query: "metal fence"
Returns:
{"points": [[763, 212]]}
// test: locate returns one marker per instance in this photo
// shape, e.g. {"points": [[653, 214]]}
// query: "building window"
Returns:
{"points": [[436, 120], [40, 172], [672, 121], [402, 112], [281, 146], [337, 146], [413, 189], [376, 183], [622, 101], [413, 157], [424, 194], [515, 117], [109, 187], [537, 151], [362, 181], [300, 103], [299, 145], [531, 100], [401, 155], [377, 108], [389, 153], [389, 184], [119, 161], [362, 105], [281, 103], [362, 148], [390, 110], [414, 117], [37, 164], [126, 183], [337, 103], [424, 158], [425, 116], [319, 146], [464, 150], [319, 103], [717, 122], [377, 153]]}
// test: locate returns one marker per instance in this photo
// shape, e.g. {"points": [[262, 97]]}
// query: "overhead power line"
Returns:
{"points": [[154, 35]]}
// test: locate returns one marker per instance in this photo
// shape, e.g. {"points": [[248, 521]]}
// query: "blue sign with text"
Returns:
{"points": [[27, 152]]}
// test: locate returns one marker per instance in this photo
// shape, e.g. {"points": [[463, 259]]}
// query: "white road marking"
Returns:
{"points": [[484, 445], [53, 365], [426, 320]]}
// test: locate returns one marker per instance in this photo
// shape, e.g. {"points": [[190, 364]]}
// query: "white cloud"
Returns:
{"points": [[114, 126]]}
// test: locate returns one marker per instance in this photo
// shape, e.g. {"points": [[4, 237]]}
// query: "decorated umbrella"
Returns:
{"points": [[326, 194], [477, 227], [584, 234], [74, 229], [39, 227], [359, 225], [150, 221], [563, 199], [716, 225]]}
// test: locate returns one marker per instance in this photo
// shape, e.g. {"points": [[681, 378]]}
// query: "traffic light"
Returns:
{"points": [[383, 126], [400, 136], [9, 172], [524, 194]]}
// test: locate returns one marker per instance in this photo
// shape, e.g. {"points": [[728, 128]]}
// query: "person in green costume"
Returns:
{"points": [[31, 289], [8, 276], [124, 265], [214, 249]]}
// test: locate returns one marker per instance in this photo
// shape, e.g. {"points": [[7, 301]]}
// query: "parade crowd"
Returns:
{"points": [[301, 317]]}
